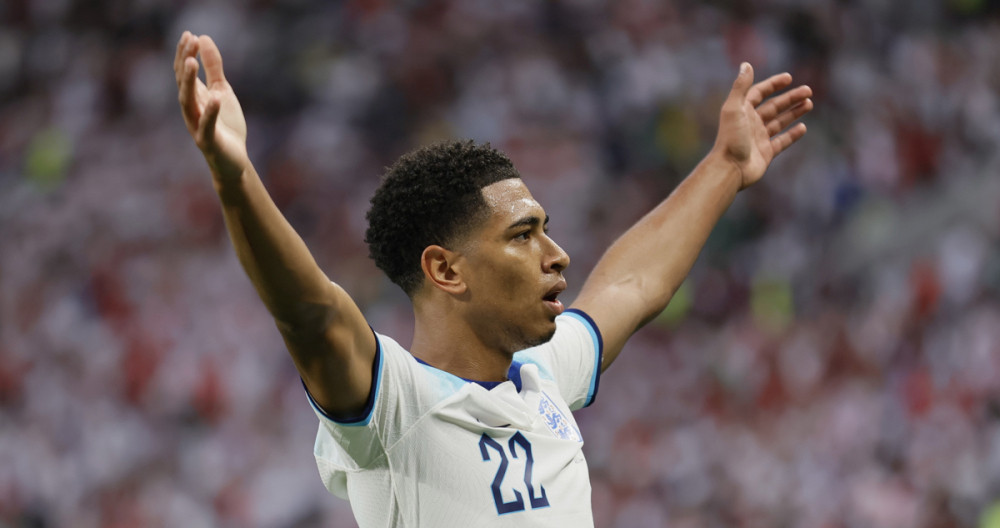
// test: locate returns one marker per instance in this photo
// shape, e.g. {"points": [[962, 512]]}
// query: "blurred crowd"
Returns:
{"points": [[833, 360]]}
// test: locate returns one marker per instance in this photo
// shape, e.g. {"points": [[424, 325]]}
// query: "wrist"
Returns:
{"points": [[726, 170], [231, 185]]}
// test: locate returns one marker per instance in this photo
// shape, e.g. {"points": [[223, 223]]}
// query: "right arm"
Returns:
{"points": [[330, 342]]}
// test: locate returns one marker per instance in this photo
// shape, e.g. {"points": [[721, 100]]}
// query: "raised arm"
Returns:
{"points": [[326, 334], [639, 273]]}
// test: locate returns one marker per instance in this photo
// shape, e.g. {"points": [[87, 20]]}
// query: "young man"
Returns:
{"points": [[472, 425]]}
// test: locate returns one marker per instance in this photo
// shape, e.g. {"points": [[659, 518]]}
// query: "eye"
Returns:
{"points": [[523, 235]]}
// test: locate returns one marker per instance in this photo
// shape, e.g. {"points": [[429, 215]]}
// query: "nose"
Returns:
{"points": [[556, 259]]}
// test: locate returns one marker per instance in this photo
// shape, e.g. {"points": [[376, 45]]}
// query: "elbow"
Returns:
{"points": [[655, 308], [649, 296]]}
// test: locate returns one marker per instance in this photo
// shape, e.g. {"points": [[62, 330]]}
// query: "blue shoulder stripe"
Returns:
{"points": [[595, 335], [365, 416]]}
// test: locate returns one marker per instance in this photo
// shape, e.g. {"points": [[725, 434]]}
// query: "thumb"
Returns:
{"points": [[743, 82], [206, 124]]}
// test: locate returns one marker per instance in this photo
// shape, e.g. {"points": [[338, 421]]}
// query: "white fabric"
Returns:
{"points": [[435, 448]]}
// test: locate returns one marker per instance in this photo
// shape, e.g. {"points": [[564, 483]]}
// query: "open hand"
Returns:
{"points": [[211, 111], [750, 128]]}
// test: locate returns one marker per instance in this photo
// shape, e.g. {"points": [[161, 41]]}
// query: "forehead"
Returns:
{"points": [[509, 201]]}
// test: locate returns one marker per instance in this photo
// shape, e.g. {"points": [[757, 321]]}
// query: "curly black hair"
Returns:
{"points": [[429, 196]]}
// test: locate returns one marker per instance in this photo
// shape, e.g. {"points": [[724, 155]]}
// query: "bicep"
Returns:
{"points": [[334, 352]]}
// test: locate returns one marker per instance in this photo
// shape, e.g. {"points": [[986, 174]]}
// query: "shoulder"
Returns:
{"points": [[405, 372], [583, 322]]}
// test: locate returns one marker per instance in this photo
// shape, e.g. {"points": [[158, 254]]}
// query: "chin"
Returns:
{"points": [[517, 338], [542, 339]]}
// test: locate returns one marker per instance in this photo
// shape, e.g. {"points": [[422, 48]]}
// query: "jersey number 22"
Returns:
{"points": [[539, 500]]}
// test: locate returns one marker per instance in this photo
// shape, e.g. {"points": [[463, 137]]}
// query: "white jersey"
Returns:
{"points": [[435, 450]]}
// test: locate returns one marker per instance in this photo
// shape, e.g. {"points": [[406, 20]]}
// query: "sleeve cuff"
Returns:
{"points": [[365, 415], [595, 335]]}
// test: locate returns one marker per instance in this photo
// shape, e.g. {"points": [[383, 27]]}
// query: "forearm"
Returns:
{"points": [[274, 256], [639, 274], [649, 262]]}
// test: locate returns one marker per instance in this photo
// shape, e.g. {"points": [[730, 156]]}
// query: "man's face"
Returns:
{"points": [[514, 270]]}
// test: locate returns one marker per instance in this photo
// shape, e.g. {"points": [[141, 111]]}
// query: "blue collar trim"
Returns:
{"points": [[513, 374]]}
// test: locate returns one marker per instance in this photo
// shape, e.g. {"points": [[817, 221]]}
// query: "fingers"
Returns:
{"points": [[187, 46], [783, 141], [186, 72], [187, 92], [212, 60], [178, 60], [767, 87], [777, 112], [196, 107], [788, 117], [776, 105], [179, 55]]}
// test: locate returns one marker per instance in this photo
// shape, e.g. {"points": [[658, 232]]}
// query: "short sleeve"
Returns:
{"points": [[572, 358], [399, 396]]}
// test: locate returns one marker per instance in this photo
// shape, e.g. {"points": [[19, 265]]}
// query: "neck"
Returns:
{"points": [[443, 339]]}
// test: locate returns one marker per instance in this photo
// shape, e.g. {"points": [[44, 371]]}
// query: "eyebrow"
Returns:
{"points": [[531, 221]]}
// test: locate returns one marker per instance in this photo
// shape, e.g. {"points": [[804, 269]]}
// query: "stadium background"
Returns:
{"points": [[833, 360]]}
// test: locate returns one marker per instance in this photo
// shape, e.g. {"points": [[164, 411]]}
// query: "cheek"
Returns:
{"points": [[508, 283], [509, 276]]}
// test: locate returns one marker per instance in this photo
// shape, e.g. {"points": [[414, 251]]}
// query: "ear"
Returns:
{"points": [[438, 264]]}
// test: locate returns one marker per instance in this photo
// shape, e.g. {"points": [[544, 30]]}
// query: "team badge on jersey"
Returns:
{"points": [[556, 420]]}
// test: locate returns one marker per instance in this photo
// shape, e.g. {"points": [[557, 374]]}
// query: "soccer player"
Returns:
{"points": [[471, 425]]}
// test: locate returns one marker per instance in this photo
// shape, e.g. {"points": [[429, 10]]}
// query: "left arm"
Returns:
{"points": [[639, 273]]}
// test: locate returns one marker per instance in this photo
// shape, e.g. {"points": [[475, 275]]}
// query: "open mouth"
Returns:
{"points": [[551, 298]]}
